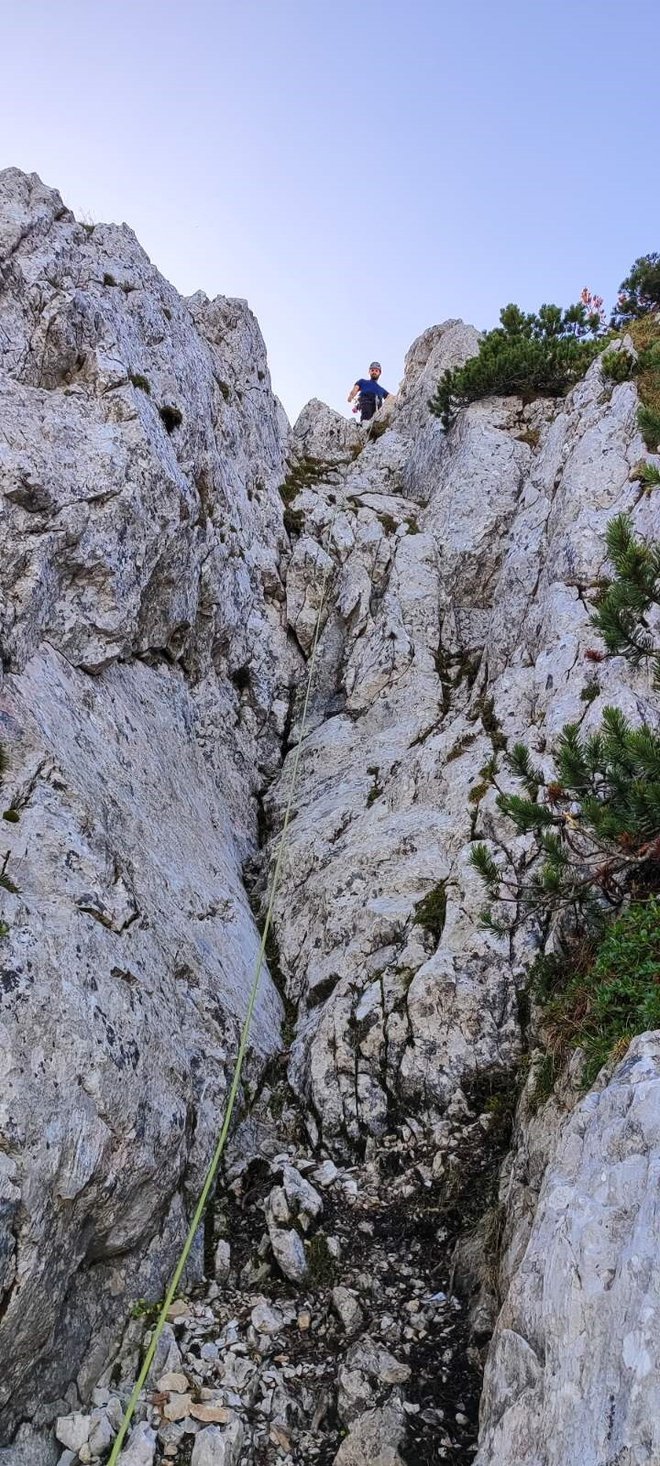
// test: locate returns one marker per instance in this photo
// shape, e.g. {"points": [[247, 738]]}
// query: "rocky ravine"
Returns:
{"points": [[159, 612]]}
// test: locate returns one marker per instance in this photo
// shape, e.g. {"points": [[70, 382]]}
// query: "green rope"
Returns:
{"points": [[242, 1049]]}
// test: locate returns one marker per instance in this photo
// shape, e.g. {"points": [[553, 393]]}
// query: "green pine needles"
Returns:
{"points": [[622, 613], [639, 293], [527, 355], [596, 827]]}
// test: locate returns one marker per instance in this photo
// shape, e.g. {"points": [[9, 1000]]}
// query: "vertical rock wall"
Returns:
{"points": [[157, 619], [143, 700]]}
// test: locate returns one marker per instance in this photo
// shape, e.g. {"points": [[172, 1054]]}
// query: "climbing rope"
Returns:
{"points": [[242, 1049]]}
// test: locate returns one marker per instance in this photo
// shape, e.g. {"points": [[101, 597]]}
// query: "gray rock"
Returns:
{"points": [[374, 1439], [222, 1262], [219, 1446], [266, 1320], [575, 1359], [73, 1430], [289, 1252], [141, 1447], [347, 1308], [150, 558], [302, 1197]]}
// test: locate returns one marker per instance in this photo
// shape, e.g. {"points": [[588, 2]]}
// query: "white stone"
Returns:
{"points": [[266, 1320], [219, 1446], [289, 1252], [222, 1262], [141, 1447], [347, 1308], [73, 1430]]}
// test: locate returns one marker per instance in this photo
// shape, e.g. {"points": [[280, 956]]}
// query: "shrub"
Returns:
{"points": [[431, 913], [109, 279], [618, 994], [639, 293], [618, 366], [646, 474], [305, 473], [649, 426], [528, 356], [597, 828], [138, 380], [623, 607]]}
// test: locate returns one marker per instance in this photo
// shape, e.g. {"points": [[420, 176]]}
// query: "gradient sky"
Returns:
{"points": [[358, 171]]}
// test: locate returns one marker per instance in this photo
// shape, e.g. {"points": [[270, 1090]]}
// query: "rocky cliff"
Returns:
{"points": [[386, 1204]]}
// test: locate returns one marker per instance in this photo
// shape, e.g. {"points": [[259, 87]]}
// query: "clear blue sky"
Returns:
{"points": [[359, 170]]}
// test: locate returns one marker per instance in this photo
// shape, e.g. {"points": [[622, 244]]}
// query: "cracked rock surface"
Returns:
{"points": [[165, 540], [140, 574]]}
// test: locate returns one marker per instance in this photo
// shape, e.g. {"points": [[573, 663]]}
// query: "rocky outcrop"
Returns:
{"points": [[460, 623], [160, 614], [144, 697], [573, 1369]]}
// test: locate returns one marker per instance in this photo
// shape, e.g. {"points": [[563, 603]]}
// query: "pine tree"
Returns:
{"points": [[639, 293], [621, 614], [528, 356]]}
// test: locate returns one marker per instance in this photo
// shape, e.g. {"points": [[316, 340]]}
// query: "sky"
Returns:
{"points": [[357, 171]]}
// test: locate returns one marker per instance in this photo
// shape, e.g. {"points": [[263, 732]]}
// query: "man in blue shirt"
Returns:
{"points": [[369, 393]]}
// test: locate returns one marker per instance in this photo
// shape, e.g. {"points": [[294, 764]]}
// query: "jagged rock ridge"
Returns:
{"points": [[160, 616]]}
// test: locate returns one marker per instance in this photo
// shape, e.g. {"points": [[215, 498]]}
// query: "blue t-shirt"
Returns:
{"points": [[373, 389]]}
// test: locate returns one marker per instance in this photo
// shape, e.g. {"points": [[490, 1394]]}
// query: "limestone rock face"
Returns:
{"points": [[459, 621], [144, 696], [157, 622], [573, 1370]]}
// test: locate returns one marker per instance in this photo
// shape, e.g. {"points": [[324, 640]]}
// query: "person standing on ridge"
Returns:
{"points": [[369, 393]]}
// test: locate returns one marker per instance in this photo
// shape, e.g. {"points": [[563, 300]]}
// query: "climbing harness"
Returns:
{"points": [[242, 1049]]}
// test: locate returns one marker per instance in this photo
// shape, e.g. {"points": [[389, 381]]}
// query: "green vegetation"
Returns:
{"points": [[294, 520], [591, 690], [645, 334], [623, 608], [649, 427], [491, 725], [138, 380], [646, 474], [597, 831], [618, 366], [460, 746], [600, 1005], [544, 353], [305, 473], [529, 355], [431, 912], [320, 1262], [109, 279], [597, 826], [639, 293], [377, 788]]}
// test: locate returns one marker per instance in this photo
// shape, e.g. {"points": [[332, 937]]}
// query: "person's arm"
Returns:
{"points": [[353, 392]]}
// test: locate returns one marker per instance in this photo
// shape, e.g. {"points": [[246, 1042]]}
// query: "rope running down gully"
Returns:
{"points": [[242, 1049]]}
